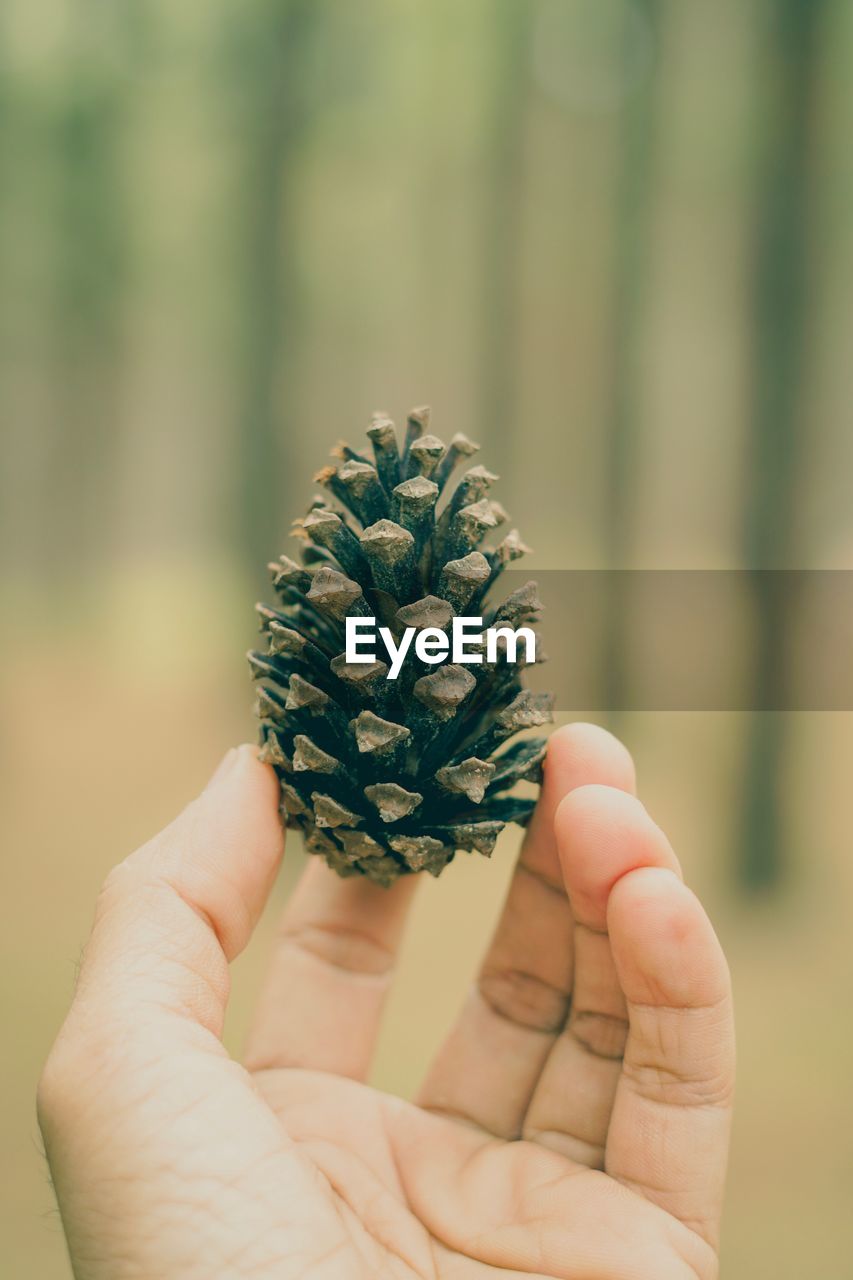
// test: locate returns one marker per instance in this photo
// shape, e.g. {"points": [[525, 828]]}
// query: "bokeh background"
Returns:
{"points": [[610, 239]]}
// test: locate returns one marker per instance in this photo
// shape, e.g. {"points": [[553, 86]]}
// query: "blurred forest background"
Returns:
{"points": [[610, 239]]}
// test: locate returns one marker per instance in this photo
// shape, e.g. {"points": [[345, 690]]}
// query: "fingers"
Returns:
{"points": [[601, 834], [488, 1066], [330, 972], [669, 1132], [173, 914]]}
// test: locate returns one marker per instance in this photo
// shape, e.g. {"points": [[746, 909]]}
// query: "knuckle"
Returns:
{"points": [[524, 999], [682, 1085], [348, 950], [601, 1034], [684, 1056]]}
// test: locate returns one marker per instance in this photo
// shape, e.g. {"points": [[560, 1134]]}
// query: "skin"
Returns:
{"points": [[575, 1122]]}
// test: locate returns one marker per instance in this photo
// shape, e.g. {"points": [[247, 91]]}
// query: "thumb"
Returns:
{"points": [[172, 915], [165, 1158]]}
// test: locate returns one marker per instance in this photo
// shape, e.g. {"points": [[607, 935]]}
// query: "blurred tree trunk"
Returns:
{"points": [[89, 276], [508, 29], [777, 430], [637, 140], [271, 84], [6, 495]]}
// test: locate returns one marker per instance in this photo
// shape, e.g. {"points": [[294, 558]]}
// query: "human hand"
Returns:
{"points": [[535, 1148]]}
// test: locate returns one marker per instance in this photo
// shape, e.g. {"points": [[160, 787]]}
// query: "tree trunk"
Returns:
{"points": [[89, 268], [776, 431], [271, 85], [634, 190], [503, 192]]}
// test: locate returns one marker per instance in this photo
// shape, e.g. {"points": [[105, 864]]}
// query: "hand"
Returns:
{"points": [[574, 1124]]}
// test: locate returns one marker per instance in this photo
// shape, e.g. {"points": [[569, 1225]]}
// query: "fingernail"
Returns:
{"points": [[222, 770]]}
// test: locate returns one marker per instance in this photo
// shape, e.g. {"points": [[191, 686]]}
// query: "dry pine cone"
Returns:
{"points": [[387, 777]]}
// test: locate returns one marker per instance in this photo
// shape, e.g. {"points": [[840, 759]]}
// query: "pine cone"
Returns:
{"points": [[387, 777]]}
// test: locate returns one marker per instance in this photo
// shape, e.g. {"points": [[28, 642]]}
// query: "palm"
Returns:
{"points": [[415, 1194]]}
